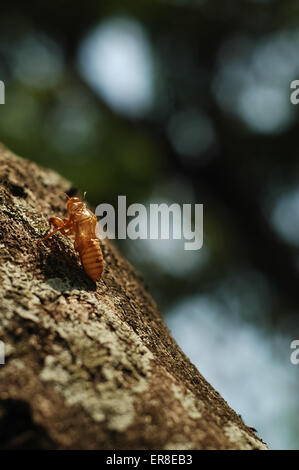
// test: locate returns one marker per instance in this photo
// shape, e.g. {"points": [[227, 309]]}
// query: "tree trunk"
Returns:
{"points": [[89, 366]]}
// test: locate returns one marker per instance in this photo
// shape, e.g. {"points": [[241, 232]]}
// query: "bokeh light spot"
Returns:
{"points": [[191, 134], [115, 59]]}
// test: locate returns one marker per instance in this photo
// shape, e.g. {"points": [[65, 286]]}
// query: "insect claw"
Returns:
{"points": [[41, 239], [50, 234]]}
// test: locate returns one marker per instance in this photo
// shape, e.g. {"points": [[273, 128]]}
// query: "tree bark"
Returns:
{"points": [[89, 366]]}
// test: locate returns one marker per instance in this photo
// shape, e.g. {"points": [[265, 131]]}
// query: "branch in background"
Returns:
{"points": [[90, 367]]}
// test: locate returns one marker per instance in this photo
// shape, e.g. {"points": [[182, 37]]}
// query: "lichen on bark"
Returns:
{"points": [[90, 366]]}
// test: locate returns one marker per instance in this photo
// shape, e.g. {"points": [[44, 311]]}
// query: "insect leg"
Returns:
{"points": [[67, 231], [58, 223]]}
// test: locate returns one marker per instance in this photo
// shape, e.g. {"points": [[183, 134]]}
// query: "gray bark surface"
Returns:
{"points": [[89, 366]]}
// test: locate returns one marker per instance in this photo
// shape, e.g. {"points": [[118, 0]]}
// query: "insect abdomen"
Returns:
{"points": [[92, 259]]}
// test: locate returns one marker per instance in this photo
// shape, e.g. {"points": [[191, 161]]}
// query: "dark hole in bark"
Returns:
{"points": [[17, 190], [72, 192], [17, 428]]}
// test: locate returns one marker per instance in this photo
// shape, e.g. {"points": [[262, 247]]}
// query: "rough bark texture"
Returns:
{"points": [[90, 367]]}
